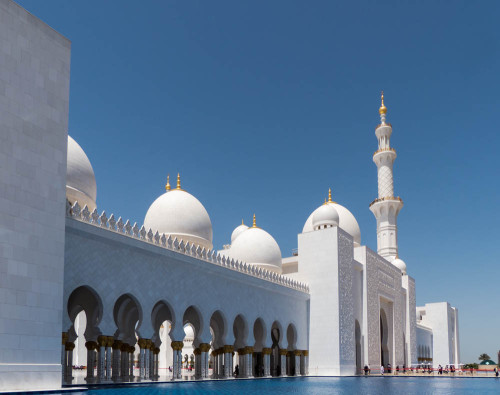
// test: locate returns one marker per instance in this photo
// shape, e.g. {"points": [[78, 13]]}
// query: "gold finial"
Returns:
{"points": [[383, 108], [325, 202], [330, 195], [242, 222], [167, 186], [178, 181], [254, 222]]}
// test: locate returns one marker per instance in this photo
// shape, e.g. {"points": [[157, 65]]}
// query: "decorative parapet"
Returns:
{"points": [[386, 198], [176, 245]]}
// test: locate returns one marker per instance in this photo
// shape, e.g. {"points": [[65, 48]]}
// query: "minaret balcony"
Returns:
{"points": [[387, 199]]}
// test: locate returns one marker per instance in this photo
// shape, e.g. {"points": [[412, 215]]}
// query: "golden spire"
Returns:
{"points": [[383, 108], [178, 182], [242, 222], [254, 222], [330, 195], [167, 186], [325, 202]]}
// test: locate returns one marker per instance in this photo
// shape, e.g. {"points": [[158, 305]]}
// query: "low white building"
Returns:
{"points": [[149, 294]]}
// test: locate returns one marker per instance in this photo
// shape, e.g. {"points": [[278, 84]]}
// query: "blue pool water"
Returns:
{"points": [[319, 386]]}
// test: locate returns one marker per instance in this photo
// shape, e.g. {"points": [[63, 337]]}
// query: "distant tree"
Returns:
{"points": [[484, 357]]}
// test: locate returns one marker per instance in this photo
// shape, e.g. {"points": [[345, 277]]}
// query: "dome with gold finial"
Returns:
{"points": [[238, 231], [383, 108], [346, 221], [257, 247], [179, 214]]}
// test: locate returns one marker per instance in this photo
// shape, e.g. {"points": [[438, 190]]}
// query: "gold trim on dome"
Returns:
{"points": [[178, 182], [383, 108], [167, 185]]}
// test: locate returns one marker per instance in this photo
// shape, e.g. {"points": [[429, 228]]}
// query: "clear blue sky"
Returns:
{"points": [[262, 106]]}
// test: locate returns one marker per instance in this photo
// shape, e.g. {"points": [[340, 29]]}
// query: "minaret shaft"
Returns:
{"points": [[386, 207]]}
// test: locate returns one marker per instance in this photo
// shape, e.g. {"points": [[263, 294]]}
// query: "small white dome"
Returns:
{"points": [[238, 231], [347, 222], [179, 214], [80, 178], [399, 263], [256, 247], [325, 216]]}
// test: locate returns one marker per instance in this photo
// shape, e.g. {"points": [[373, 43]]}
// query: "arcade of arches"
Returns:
{"points": [[125, 356]]}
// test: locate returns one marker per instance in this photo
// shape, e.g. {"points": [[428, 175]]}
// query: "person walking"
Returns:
{"points": [[496, 371], [382, 370]]}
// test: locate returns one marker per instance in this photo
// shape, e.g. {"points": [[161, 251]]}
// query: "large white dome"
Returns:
{"points": [[347, 222], [256, 247], [80, 178], [180, 214]]}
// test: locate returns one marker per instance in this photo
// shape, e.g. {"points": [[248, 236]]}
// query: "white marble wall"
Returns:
{"points": [[326, 264], [113, 264], [34, 97]]}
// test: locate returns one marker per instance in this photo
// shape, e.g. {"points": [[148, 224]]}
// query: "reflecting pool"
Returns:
{"points": [[318, 386]]}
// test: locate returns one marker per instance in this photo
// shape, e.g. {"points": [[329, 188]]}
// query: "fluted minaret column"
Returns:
{"points": [[386, 207]]}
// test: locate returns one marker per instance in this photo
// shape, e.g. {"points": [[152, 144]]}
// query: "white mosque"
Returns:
{"points": [[116, 290]]}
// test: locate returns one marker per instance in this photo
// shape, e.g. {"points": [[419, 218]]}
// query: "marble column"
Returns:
{"points": [[197, 363], [306, 362], [283, 362], [151, 360], [64, 363], [109, 355], [249, 361], [177, 365], [116, 360], [102, 341], [70, 346], [142, 356], [303, 363], [296, 368], [214, 364], [228, 361], [131, 351], [241, 362], [266, 360], [220, 363], [124, 370], [204, 349], [91, 346]]}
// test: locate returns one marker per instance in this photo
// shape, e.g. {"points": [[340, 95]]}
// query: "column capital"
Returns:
{"points": [[117, 344], [69, 346], [143, 343], [283, 352], [248, 350], [131, 349], [204, 347], [177, 345], [241, 351], [91, 345], [305, 353], [197, 351], [214, 353], [102, 341], [124, 347], [64, 338], [267, 351], [156, 350], [297, 353], [110, 341], [228, 348]]}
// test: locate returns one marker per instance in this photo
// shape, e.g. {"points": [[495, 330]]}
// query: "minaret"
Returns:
{"points": [[386, 207]]}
